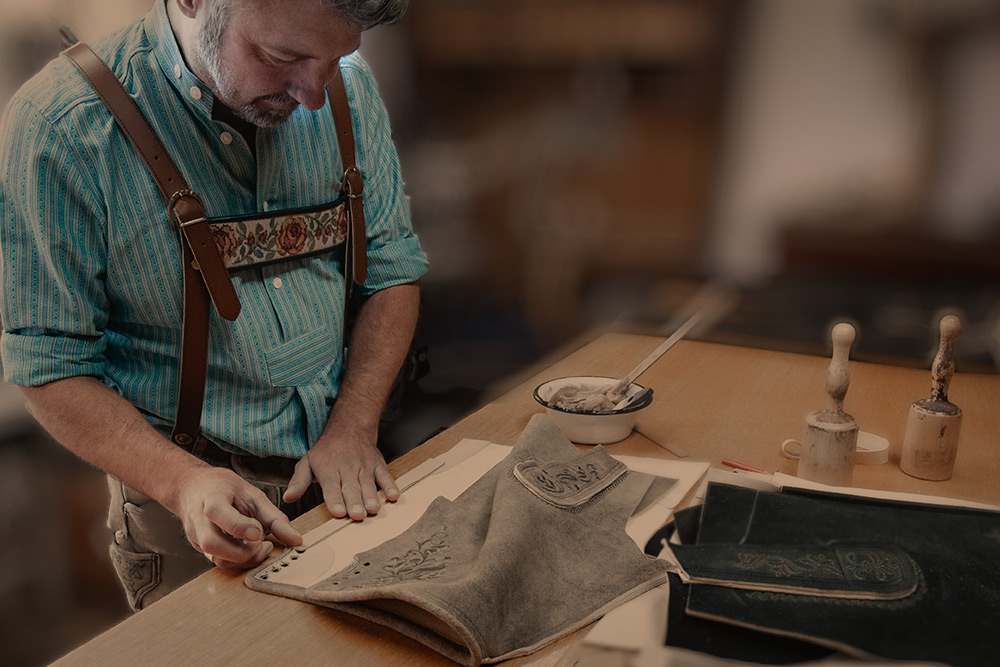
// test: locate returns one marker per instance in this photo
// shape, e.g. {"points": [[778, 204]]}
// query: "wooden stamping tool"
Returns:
{"points": [[931, 438], [831, 435]]}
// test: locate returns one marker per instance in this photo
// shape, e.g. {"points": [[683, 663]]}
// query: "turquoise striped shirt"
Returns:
{"points": [[91, 266]]}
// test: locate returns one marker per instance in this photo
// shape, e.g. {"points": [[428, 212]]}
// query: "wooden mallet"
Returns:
{"points": [[931, 439]]}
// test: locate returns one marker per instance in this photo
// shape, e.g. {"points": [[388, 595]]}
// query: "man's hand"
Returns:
{"points": [[345, 460], [348, 470], [226, 519]]}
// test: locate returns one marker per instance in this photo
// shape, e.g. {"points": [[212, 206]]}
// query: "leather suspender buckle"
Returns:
{"points": [[352, 184], [176, 197], [352, 187], [188, 210], [180, 194]]}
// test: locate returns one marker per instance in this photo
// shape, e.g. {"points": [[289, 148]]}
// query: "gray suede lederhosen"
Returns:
{"points": [[534, 549], [149, 549]]}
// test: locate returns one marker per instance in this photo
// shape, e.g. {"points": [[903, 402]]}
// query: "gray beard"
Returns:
{"points": [[207, 52], [253, 112]]}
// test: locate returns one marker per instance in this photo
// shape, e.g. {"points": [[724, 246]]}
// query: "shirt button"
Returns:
{"points": [[195, 92], [226, 138], [177, 71], [277, 283]]}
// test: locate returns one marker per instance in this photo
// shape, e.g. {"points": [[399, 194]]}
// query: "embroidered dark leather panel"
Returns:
{"points": [[843, 570], [949, 618]]}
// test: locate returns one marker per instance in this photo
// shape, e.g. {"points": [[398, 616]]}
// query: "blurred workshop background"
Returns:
{"points": [[578, 166]]}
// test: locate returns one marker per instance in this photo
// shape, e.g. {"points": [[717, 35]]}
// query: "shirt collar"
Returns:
{"points": [[168, 56]]}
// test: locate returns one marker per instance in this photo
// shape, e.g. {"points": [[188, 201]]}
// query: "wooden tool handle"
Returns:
{"points": [[838, 376], [944, 363]]}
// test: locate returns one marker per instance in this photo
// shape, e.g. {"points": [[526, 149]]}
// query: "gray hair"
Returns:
{"points": [[361, 14], [366, 14]]}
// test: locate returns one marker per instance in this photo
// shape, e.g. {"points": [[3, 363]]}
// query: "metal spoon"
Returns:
{"points": [[634, 398]]}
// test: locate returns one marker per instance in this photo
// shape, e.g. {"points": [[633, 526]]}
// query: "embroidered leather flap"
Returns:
{"points": [[253, 240], [571, 483], [846, 570]]}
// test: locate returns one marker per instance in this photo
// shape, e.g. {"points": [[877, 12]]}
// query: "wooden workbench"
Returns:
{"points": [[715, 401]]}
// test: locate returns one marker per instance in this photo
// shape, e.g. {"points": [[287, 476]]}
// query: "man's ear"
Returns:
{"points": [[189, 7]]}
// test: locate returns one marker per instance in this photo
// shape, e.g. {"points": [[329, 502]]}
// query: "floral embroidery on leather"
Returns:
{"points": [[570, 484], [781, 566], [866, 566], [427, 560], [133, 570], [137, 572], [568, 479], [258, 241], [902, 603]]}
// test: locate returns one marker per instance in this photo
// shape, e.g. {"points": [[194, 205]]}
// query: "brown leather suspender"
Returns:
{"points": [[356, 255], [206, 280]]}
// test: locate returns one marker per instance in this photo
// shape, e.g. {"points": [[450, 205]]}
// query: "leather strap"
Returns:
{"points": [[356, 260], [184, 206], [204, 274], [194, 356]]}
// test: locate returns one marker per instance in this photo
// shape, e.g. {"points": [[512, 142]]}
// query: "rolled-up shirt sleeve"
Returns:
{"points": [[53, 252], [394, 252]]}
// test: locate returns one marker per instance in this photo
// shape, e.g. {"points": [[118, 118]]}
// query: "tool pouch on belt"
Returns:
{"points": [[778, 577], [212, 248]]}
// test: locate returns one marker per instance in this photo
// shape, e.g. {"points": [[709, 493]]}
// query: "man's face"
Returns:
{"points": [[262, 58]]}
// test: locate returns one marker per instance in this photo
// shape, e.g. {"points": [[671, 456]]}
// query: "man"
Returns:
{"points": [[92, 273]]}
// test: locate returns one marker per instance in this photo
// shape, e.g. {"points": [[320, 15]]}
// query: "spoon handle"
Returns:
{"points": [[714, 303]]}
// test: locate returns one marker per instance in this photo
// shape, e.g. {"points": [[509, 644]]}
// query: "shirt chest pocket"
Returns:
{"points": [[299, 361]]}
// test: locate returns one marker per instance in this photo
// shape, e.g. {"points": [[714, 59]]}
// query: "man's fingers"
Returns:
{"points": [[332, 495], [230, 520], [276, 522], [226, 518], [350, 491], [387, 483], [208, 536], [370, 495], [302, 477], [259, 555], [350, 482], [284, 532], [225, 547]]}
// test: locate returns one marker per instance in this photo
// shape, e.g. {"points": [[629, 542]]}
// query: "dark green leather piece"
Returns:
{"points": [[951, 617]]}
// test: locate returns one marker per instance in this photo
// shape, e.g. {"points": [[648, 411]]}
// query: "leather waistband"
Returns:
{"points": [[207, 450]]}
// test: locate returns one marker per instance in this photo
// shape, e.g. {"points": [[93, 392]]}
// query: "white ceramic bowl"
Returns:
{"points": [[590, 428]]}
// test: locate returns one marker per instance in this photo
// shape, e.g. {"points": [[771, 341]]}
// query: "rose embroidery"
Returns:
{"points": [[261, 234], [258, 241], [226, 241], [342, 222], [291, 236]]}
